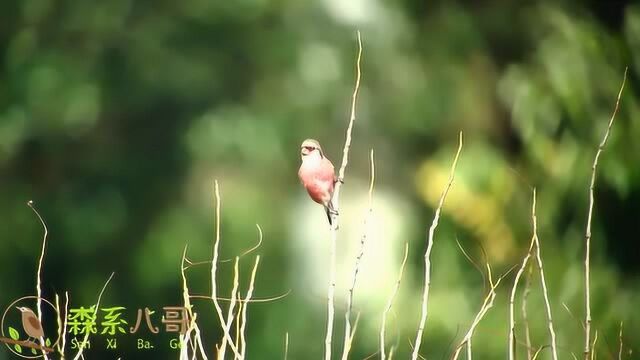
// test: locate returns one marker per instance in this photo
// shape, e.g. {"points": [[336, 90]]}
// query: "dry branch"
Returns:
{"points": [[587, 258], [230, 314], [525, 315], [486, 305], [620, 339], [543, 283], [427, 254], [286, 345], [214, 289], [356, 269], [335, 200], [245, 304], [83, 344], [39, 275], [390, 303]]}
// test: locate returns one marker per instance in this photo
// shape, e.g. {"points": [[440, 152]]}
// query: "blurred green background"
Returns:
{"points": [[116, 116]]}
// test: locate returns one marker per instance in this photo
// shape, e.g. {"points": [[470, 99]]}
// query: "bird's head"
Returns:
{"points": [[310, 148], [22, 309]]}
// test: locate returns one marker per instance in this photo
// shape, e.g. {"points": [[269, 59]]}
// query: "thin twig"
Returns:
{"points": [[230, 314], [286, 345], [243, 352], [390, 302], [241, 308], [486, 305], [587, 259], [543, 283], [620, 338], [83, 344], [335, 201], [525, 315], [572, 315], [514, 288], [62, 324], [185, 339], [244, 253], [214, 289], [356, 269], [257, 300], [427, 254], [593, 346], [39, 273]]}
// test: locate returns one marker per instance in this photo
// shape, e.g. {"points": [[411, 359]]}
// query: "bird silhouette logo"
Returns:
{"points": [[22, 330], [30, 323]]}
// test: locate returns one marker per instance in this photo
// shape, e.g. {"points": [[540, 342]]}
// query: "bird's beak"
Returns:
{"points": [[19, 308]]}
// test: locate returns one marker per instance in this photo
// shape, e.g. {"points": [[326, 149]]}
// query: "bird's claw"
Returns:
{"points": [[340, 180]]}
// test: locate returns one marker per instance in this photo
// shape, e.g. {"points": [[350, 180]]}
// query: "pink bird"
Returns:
{"points": [[317, 175]]}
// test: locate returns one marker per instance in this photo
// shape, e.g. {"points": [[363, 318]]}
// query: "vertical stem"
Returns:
{"points": [[587, 257]]}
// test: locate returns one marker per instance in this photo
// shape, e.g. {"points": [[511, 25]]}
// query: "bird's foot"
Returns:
{"points": [[340, 180]]}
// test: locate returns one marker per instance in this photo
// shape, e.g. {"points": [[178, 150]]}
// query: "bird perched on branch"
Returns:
{"points": [[317, 175], [30, 323]]}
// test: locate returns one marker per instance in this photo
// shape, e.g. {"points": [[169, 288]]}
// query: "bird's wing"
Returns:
{"points": [[33, 321], [36, 327]]}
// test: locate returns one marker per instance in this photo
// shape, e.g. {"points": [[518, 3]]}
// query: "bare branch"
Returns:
{"points": [[545, 292], [427, 255], [587, 259], [214, 289], [230, 315], [83, 344], [62, 323], [286, 345], [335, 200], [356, 269], [525, 316], [39, 274], [245, 304], [390, 302], [486, 305], [620, 338]]}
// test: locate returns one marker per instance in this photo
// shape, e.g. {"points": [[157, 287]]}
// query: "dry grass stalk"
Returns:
{"points": [[486, 305], [335, 200], [62, 324], [543, 283], [214, 290], [347, 316], [245, 304], [514, 288], [587, 258], [230, 314], [620, 339], [427, 254], [286, 345], [186, 339], [525, 316], [39, 274], [390, 304], [83, 343]]}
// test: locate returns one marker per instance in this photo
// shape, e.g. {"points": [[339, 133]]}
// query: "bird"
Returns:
{"points": [[318, 175], [30, 323]]}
